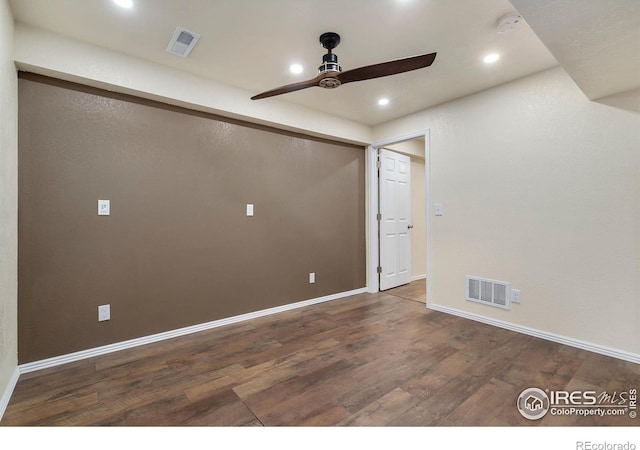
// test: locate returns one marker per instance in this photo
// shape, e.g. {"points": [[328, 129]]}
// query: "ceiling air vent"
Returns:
{"points": [[489, 292], [182, 42]]}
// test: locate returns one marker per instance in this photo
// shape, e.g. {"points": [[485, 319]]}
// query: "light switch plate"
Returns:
{"points": [[438, 209], [104, 313], [312, 277], [104, 207], [249, 209], [515, 296]]}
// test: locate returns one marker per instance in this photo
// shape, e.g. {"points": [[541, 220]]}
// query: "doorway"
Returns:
{"points": [[416, 146]]}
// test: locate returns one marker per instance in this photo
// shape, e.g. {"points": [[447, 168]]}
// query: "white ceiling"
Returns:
{"points": [[596, 41], [251, 43]]}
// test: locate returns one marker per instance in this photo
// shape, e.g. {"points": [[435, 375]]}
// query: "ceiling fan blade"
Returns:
{"points": [[289, 88], [387, 68]]}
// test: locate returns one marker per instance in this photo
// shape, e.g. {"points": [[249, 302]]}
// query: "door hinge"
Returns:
{"points": [[379, 216], [378, 163], [379, 269]]}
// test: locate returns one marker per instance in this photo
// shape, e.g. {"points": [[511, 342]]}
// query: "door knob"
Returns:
{"points": [[409, 226]]}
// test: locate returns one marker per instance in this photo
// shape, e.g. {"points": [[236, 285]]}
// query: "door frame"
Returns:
{"points": [[373, 243]]}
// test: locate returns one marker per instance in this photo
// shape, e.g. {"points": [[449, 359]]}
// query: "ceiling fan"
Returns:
{"points": [[330, 74]]}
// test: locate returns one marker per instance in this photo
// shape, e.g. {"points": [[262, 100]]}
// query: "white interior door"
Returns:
{"points": [[394, 219]]}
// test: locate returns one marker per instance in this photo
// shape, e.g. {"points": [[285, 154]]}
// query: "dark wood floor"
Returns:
{"points": [[368, 360]]}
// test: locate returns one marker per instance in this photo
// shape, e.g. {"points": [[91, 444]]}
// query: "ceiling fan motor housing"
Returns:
{"points": [[329, 64]]}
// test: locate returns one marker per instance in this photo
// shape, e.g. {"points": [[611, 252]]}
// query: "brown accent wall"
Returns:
{"points": [[178, 248]]}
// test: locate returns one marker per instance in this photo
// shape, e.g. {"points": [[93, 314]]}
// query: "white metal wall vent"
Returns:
{"points": [[182, 42], [489, 292]]}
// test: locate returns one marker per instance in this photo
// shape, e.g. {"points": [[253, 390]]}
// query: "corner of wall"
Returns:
{"points": [[9, 211], [8, 391]]}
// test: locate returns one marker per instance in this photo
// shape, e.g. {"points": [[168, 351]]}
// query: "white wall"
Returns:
{"points": [[8, 209], [541, 187]]}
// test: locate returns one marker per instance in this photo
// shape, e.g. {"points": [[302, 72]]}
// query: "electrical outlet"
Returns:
{"points": [[104, 313], [312, 277], [515, 296]]}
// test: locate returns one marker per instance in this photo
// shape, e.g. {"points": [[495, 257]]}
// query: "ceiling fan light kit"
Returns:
{"points": [[331, 76]]}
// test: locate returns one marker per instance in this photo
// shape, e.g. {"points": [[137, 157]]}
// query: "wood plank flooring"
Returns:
{"points": [[368, 360]]}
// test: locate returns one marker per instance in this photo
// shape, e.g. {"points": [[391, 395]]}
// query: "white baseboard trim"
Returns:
{"points": [[614, 353], [97, 351], [8, 392], [419, 277]]}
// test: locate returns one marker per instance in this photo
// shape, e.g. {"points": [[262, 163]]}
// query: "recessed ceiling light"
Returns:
{"points": [[491, 58], [124, 3], [383, 101], [295, 68]]}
